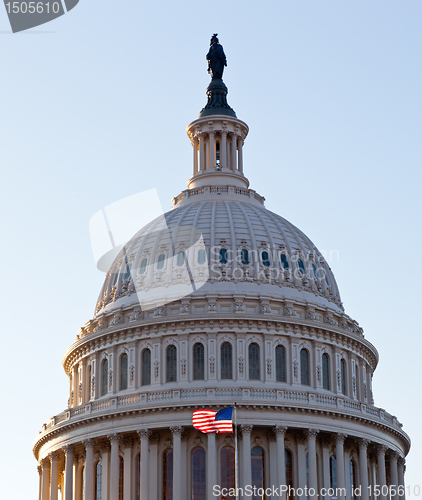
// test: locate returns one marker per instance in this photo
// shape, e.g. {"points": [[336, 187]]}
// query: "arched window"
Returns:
{"points": [[254, 365], [226, 361], [171, 363], [123, 372], [265, 258], [198, 474], [198, 361], [284, 261], [304, 367], [280, 363], [357, 382], [138, 476], [180, 259], [88, 382], [326, 371], [146, 367], [98, 480], [301, 266], [201, 256], [168, 474], [121, 478], [288, 457], [343, 376], [104, 377], [353, 482], [258, 469], [315, 272], [223, 256], [227, 469], [143, 266], [244, 256], [160, 262], [127, 272], [333, 472]]}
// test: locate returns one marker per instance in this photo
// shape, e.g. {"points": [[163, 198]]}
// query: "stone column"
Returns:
{"points": [[211, 465], [153, 466], [301, 463], [105, 453], [382, 478], [89, 469], [246, 454], [212, 148], [127, 468], [240, 154], [45, 464], [312, 462], [394, 474], [54, 479], [39, 469], [195, 154], [69, 451], [223, 149], [177, 462], [201, 152], [326, 444], [401, 468], [233, 162], [363, 468], [144, 463], [280, 432], [114, 466], [341, 480]]}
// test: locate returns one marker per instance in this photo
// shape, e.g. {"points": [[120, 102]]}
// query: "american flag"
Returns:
{"points": [[213, 421]]}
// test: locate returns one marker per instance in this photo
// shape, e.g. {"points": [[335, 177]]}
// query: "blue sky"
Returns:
{"points": [[94, 108]]}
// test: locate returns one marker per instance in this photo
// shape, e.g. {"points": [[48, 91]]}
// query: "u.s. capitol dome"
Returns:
{"points": [[220, 301]]}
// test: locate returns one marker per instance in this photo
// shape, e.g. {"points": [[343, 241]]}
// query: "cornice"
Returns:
{"points": [[66, 427]]}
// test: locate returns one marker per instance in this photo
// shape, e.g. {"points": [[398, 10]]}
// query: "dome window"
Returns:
{"points": [[201, 256], [280, 363], [160, 262], [301, 266], [304, 367], [171, 365], [265, 258], [198, 362], [343, 376], [223, 256], [180, 259], [143, 266], [226, 361], [244, 256], [146, 367], [104, 379], [254, 365], [123, 372], [284, 261], [315, 272], [326, 371], [127, 272], [217, 155]]}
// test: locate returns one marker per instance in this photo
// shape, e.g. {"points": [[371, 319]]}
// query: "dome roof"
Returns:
{"points": [[222, 244]]}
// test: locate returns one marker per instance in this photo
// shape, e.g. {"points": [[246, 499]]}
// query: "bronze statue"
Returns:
{"points": [[216, 59]]}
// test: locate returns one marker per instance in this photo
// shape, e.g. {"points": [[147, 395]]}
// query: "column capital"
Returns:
{"points": [[105, 447], [177, 431], [279, 430], [154, 437], [45, 463], [88, 443], [127, 442], [39, 469], [68, 449], [401, 461], [144, 433], [54, 456], [381, 449], [246, 429], [393, 455], [114, 438], [340, 438], [312, 433], [363, 443]]}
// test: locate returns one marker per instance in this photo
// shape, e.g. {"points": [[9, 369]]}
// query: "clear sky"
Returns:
{"points": [[94, 108]]}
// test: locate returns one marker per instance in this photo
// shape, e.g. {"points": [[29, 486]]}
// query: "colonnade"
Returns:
{"points": [[61, 469], [230, 151]]}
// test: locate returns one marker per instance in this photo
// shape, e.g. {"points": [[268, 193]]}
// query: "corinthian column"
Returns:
{"points": [[312, 462], [280, 432], [382, 477], [39, 469], [401, 468], [394, 474], [45, 479], [211, 464], [144, 463], [114, 466], [68, 470], [89, 469], [341, 480], [363, 468], [177, 462], [54, 480], [234, 143], [246, 454]]}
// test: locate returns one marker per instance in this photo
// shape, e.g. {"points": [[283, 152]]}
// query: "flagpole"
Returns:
{"points": [[236, 471]]}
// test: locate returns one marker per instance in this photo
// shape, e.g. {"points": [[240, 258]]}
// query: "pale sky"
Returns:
{"points": [[94, 109]]}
